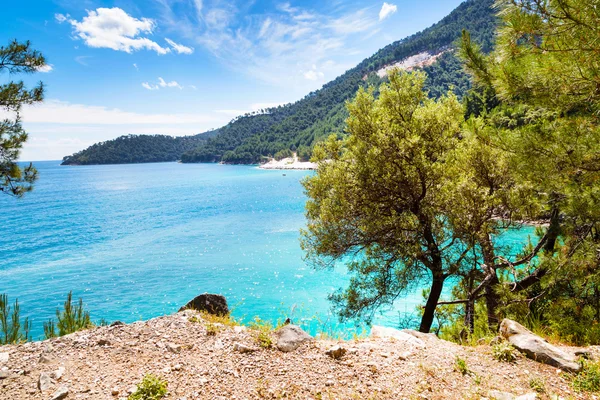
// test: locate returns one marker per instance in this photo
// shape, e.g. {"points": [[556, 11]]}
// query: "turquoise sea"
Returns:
{"points": [[138, 241]]}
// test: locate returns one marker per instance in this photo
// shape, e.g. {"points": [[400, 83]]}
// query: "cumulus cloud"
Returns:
{"points": [[45, 68], [387, 10], [113, 28], [161, 84], [314, 74], [179, 48]]}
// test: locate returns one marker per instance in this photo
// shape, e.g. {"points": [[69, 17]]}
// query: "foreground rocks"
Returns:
{"points": [[290, 337], [537, 348], [231, 365]]}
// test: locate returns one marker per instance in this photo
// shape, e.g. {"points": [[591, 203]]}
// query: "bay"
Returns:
{"points": [[138, 241]]}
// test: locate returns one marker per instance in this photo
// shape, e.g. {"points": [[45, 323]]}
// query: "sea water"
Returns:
{"points": [[139, 241]]}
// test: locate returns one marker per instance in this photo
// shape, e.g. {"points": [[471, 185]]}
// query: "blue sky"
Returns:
{"points": [[185, 66]]}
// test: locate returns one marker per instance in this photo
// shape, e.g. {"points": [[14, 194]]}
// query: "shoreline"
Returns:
{"points": [[290, 163]]}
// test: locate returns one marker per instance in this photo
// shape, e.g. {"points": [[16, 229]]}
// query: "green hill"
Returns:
{"points": [[296, 127]]}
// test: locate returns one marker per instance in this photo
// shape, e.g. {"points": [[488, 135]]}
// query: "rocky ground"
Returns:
{"points": [[209, 360]]}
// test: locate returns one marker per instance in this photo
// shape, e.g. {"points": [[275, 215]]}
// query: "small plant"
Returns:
{"points": [[460, 365], [212, 329], [504, 351], [538, 385], [73, 318], [263, 332], [151, 388], [11, 330], [588, 380]]}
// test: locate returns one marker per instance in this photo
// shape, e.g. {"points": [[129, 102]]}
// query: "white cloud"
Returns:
{"points": [[161, 83], [45, 68], [136, 67], [179, 48], [279, 46], [113, 28], [65, 113], [314, 74], [387, 10], [149, 86], [82, 60], [60, 18]]}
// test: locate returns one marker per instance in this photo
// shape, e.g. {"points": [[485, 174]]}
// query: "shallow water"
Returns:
{"points": [[138, 241]]}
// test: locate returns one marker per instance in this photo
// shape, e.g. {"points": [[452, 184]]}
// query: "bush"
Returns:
{"points": [[71, 319], [588, 380], [504, 351], [460, 365], [151, 388], [11, 330], [263, 331]]}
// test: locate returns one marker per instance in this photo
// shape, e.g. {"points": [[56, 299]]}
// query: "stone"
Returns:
{"points": [[498, 395], [115, 391], [4, 374], [211, 303], [103, 342], [404, 355], [44, 359], [336, 352], [117, 323], [402, 336], [173, 348], [239, 329], [290, 337], [4, 358], [528, 396], [496, 340], [58, 373], [44, 382], [242, 348], [60, 393], [536, 348]]}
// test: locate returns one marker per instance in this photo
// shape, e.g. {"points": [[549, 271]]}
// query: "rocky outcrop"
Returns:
{"points": [[537, 348], [290, 337], [210, 303]]}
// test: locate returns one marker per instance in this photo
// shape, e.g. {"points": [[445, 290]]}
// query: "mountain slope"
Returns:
{"points": [[250, 138]]}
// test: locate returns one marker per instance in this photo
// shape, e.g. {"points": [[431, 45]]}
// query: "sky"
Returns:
{"points": [[182, 67]]}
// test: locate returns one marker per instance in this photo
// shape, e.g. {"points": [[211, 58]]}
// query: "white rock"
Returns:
{"points": [[290, 337], [336, 352], [60, 393], [44, 382], [4, 358], [242, 348], [384, 332], [58, 373]]}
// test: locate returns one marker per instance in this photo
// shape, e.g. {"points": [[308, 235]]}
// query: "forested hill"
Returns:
{"points": [[137, 149], [296, 127]]}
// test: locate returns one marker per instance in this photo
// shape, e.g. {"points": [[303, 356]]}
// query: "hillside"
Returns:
{"points": [[204, 359], [137, 149], [296, 127]]}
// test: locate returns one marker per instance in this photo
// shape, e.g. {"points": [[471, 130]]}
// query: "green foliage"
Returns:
{"points": [[71, 319], [17, 58], [538, 385], [151, 388], [504, 351], [372, 206], [588, 380], [12, 330], [263, 330], [460, 365], [137, 149], [281, 154]]}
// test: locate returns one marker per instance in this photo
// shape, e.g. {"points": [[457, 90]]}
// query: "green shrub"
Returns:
{"points": [[460, 365], [538, 385], [151, 388], [11, 330], [263, 331], [504, 351], [71, 319], [588, 380]]}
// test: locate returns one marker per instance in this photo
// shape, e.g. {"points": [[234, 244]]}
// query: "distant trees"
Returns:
{"points": [[17, 58]]}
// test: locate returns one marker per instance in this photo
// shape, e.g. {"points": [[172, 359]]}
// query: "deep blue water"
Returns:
{"points": [[138, 241]]}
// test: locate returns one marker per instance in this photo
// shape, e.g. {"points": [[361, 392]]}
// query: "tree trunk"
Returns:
{"points": [[492, 301], [470, 316], [434, 296]]}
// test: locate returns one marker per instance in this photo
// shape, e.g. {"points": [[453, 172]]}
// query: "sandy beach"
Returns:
{"points": [[289, 163]]}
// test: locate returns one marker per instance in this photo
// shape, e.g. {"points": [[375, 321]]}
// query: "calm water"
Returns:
{"points": [[139, 241]]}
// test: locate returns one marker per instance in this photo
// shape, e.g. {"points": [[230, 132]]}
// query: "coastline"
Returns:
{"points": [[290, 163]]}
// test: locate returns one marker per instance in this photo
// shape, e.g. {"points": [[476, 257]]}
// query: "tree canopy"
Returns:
{"points": [[16, 58]]}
